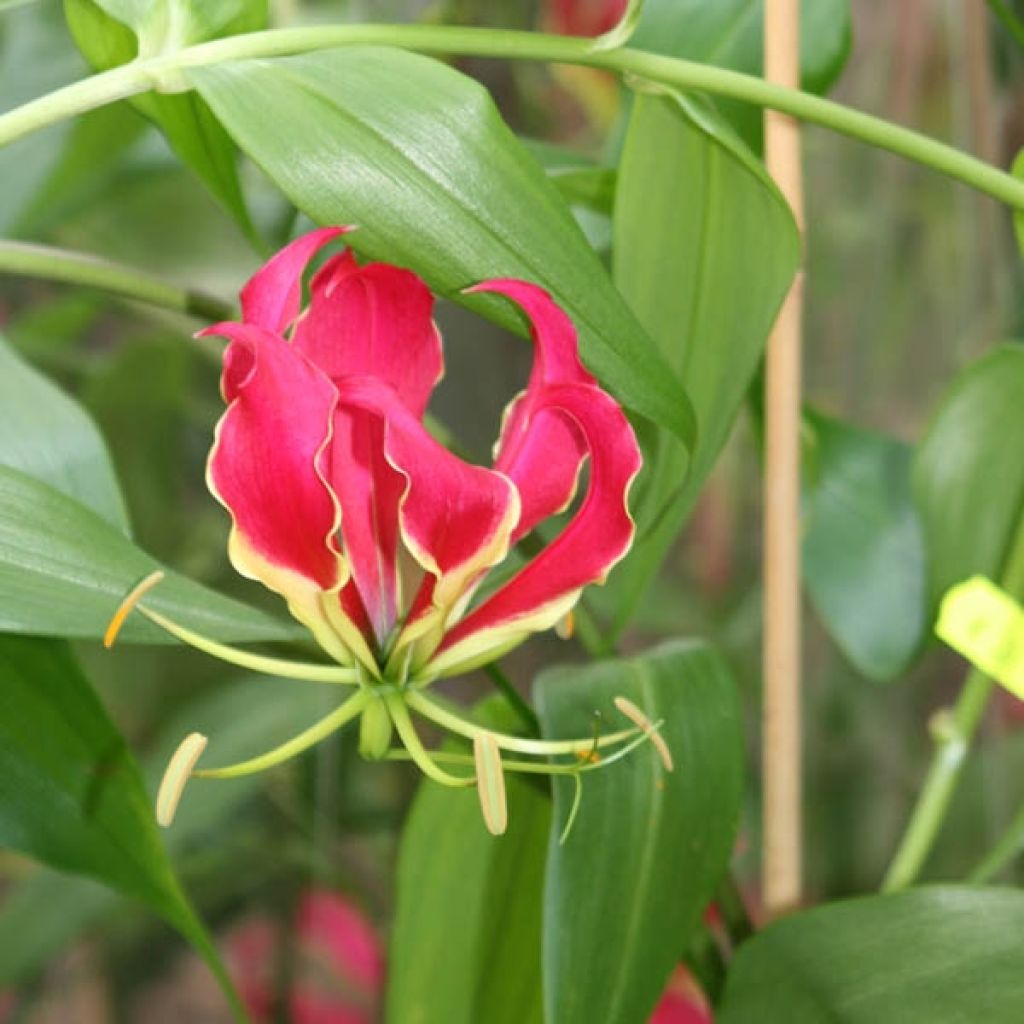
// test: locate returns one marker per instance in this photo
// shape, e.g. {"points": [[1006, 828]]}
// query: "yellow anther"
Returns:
{"points": [[490, 782], [124, 609], [179, 771], [638, 718]]}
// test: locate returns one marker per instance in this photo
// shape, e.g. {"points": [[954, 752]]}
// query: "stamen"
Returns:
{"points": [[297, 745], [179, 771], [634, 714], [490, 783], [124, 609], [408, 735], [566, 626], [305, 671], [577, 799], [522, 745]]}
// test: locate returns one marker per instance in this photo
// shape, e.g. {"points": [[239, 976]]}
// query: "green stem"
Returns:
{"points": [[1010, 845], [954, 729], [512, 695], [142, 75], [69, 267]]}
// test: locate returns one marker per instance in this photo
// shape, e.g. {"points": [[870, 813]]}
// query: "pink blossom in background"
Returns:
{"points": [[339, 975], [583, 17], [683, 1002]]}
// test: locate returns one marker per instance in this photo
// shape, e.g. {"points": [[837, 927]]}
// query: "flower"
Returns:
{"points": [[378, 537], [332, 481], [583, 17]]}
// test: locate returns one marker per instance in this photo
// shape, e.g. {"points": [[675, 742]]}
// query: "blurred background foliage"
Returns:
{"points": [[911, 279]]}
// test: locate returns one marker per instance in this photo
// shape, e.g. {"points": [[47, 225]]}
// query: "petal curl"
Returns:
{"points": [[456, 519], [539, 450], [267, 468], [598, 536], [272, 296], [371, 321]]}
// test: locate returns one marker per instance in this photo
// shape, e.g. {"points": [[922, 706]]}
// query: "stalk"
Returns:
{"points": [[142, 75]]}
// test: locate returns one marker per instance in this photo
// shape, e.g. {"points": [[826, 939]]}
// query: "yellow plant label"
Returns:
{"points": [[986, 626]]}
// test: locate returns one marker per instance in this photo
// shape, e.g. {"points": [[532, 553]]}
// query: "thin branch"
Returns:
{"points": [[53, 264]]}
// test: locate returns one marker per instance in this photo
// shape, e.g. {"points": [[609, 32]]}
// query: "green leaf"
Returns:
{"points": [[71, 794], [917, 957], [729, 33], [466, 939], [627, 889], [581, 181], [863, 552], [64, 571], [698, 223], [46, 434], [417, 155], [41, 915], [968, 474], [113, 32]]}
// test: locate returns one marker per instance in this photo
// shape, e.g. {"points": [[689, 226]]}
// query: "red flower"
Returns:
{"points": [[584, 17], [338, 964], [377, 536], [331, 479]]}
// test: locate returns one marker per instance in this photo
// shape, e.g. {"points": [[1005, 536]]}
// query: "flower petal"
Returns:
{"points": [[541, 451], [371, 321], [272, 296], [600, 533], [456, 518], [266, 468]]}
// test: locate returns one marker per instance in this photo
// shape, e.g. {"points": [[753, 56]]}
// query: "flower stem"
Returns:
{"points": [[1009, 846], [142, 75], [954, 730], [44, 261], [419, 754]]}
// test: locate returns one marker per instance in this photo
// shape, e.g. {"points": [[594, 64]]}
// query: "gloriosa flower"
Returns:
{"points": [[378, 537]]}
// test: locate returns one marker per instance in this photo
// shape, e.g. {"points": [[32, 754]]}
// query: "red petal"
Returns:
{"points": [[597, 537], [455, 518], [272, 296], [266, 468], [541, 452], [371, 321], [266, 462]]}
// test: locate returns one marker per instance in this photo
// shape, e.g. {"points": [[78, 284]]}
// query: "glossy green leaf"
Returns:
{"points": [[113, 32], [466, 939], [916, 957], [729, 33], [40, 916], [71, 794], [698, 223], [64, 571], [627, 889], [417, 155], [863, 552], [968, 473], [46, 434], [581, 181]]}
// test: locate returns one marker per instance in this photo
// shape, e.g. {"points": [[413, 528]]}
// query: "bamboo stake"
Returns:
{"points": [[782, 868]]}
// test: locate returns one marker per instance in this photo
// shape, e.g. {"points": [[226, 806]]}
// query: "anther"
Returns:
{"points": [[638, 718], [125, 608], [179, 771]]}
